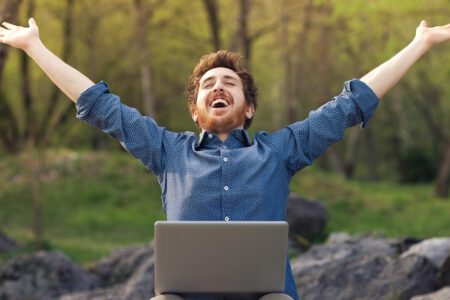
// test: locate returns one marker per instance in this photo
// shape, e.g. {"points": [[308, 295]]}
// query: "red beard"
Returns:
{"points": [[222, 124]]}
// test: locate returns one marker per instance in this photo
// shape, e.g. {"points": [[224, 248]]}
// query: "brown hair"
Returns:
{"points": [[224, 59]]}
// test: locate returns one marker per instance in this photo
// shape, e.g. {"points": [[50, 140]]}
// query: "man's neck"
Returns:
{"points": [[223, 136]]}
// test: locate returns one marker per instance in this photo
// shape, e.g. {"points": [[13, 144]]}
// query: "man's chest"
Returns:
{"points": [[225, 184]]}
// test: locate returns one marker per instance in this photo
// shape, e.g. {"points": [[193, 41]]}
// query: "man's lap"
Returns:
{"points": [[272, 296]]}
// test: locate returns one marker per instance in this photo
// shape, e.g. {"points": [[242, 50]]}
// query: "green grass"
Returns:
{"points": [[93, 203], [97, 202], [385, 208]]}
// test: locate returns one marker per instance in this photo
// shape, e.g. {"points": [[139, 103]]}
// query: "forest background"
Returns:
{"points": [[300, 52]]}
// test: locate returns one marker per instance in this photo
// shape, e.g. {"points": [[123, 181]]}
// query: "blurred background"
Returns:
{"points": [[64, 185]]}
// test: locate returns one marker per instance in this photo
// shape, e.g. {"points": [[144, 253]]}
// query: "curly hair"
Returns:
{"points": [[224, 59]]}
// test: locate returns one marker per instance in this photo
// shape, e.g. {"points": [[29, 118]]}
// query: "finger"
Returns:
{"points": [[423, 23], [3, 30], [9, 25]]}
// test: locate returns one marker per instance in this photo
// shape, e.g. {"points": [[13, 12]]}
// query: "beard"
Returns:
{"points": [[222, 124]]}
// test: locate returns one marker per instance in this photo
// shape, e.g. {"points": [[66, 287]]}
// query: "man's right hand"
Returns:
{"points": [[18, 36], [68, 79]]}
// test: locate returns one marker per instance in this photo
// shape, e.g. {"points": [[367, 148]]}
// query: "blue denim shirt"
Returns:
{"points": [[203, 178]]}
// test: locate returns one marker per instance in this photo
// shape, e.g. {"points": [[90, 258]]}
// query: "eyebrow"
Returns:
{"points": [[229, 77]]}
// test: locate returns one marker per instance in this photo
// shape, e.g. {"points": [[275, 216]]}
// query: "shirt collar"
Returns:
{"points": [[237, 138]]}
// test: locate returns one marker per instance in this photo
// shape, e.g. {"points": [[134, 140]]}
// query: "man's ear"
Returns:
{"points": [[250, 111], [194, 115]]}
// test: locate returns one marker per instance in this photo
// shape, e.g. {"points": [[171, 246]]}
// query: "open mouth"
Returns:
{"points": [[219, 103]]}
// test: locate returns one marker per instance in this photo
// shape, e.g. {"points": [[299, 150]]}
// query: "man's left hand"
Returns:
{"points": [[432, 35]]}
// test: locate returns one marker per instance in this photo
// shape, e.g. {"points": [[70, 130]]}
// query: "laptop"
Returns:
{"points": [[220, 257]]}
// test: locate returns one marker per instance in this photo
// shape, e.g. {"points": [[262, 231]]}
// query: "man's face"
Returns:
{"points": [[221, 105]]}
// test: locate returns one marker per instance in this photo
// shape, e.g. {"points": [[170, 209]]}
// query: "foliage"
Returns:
{"points": [[346, 39], [95, 202]]}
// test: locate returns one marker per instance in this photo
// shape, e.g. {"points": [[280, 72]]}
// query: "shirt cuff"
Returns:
{"points": [[364, 98], [88, 98]]}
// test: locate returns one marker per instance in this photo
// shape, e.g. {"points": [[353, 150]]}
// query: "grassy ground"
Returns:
{"points": [[96, 202]]}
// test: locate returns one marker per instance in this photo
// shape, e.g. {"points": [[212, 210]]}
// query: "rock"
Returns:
{"points": [[142, 284], [6, 244], [436, 250], [97, 294], [307, 219], [43, 275], [444, 273], [121, 265], [442, 294], [362, 268], [346, 267], [128, 274]]}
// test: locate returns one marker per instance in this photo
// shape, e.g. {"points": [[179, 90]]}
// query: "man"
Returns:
{"points": [[222, 174]]}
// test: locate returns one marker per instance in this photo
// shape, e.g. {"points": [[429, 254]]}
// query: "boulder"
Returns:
{"points": [[442, 294], [6, 244], [43, 275], [362, 268], [121, 265], [128, 274], [436, 250], [444, 273], [307, 220]]}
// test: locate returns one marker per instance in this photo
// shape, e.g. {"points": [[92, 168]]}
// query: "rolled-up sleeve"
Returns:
{"points": [[300, 143], [363, 96], [139, 135]]}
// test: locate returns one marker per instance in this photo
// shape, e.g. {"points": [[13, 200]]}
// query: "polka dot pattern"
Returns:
{"points": [[203, 178]]}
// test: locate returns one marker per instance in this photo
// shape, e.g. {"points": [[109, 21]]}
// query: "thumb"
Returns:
{"points": [[423, 23], [32, 22]]}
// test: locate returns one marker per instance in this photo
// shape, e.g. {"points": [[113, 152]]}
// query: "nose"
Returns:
{"points": [[218, 87]]}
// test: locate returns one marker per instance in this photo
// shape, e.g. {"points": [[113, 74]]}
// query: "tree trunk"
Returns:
{"points": [[241, 41], [302, 41], [211, 7], [8, 13], [335, 160], [443, 178], [287, 90], [9, 130], [372, 155], [50, 121], [143, 15], [351, 151], [27, 98]]}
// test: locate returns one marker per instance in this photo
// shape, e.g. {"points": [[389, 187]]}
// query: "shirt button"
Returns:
{"points": [[225, 188], [227, 218], [225, 159], [210, 135]]}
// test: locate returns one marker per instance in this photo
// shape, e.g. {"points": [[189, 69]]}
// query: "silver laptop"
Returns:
{"points": [[220, 257]]}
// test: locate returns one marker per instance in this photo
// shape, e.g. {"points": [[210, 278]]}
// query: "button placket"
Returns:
{"points": [[226, 180]]}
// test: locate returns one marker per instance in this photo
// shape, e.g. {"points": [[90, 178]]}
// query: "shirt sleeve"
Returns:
{"points": [[302, 142], [139, 135]]}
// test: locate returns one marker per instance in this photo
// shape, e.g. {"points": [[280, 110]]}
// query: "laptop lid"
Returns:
{"points": [[220, 257]]}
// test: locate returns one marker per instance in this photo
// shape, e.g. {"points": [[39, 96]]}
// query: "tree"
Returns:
{"points": [[211, 8], [143, 15], [8, 126]]}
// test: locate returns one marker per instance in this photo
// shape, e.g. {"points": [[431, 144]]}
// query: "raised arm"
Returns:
{"points": [[386, 76], [70, 81]]}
